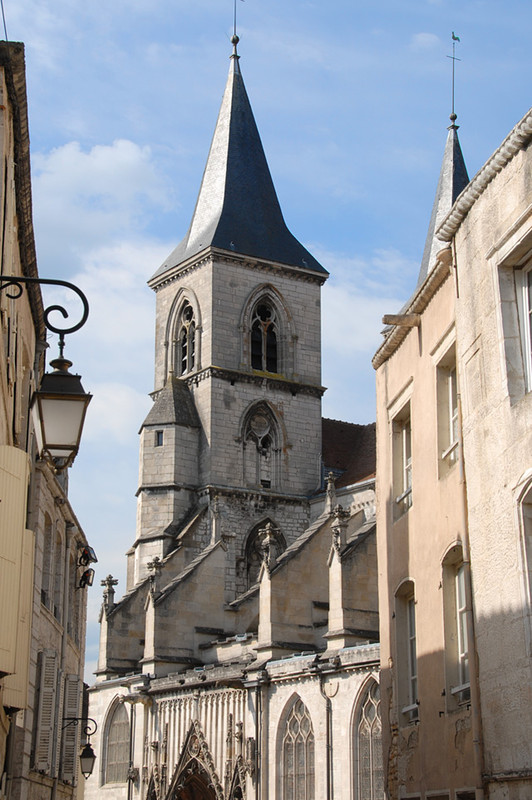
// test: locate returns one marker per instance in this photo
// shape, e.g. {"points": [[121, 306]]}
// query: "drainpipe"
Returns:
{"points": [[476, 713], [328, 738], [132, 723], [66, 608], [258, 734]]}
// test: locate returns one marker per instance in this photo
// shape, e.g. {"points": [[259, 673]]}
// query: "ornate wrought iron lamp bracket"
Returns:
{"points": [[89, 725], [13, 286]]}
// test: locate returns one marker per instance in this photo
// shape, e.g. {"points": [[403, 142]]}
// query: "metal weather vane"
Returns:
{"points": [[453, 58]]}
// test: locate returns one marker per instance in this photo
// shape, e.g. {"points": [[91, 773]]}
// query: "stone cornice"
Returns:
{"points": [[13, 64], [516, 140], [262, 379], [417, 305], [252, 495], [214, 255]]}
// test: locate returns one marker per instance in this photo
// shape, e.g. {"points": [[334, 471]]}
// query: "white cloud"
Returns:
{"points": [[85, 199], [424, 41], [114, 413], [383, 275]]}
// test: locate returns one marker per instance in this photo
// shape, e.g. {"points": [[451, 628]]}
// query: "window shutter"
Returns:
{"points": [[56, 753], [44, 739], [70, 734]]}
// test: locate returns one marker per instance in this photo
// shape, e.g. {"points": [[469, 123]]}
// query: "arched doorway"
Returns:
{"points": [[193, 787]]}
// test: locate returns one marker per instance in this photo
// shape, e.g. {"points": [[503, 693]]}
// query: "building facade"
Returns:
{"points": [[242, 659], [454, 450], [42, 631]]}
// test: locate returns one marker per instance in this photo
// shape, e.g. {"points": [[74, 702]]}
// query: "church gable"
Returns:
{"points": [[195, 774]]}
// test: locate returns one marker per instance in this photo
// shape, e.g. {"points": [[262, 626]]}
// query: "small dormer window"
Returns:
{"points": [[159, 438], [186, 341], [264, 338]]}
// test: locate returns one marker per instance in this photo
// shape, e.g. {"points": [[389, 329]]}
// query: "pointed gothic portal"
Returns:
{"points": [[237, 209], [194, 787], [195, 775]]}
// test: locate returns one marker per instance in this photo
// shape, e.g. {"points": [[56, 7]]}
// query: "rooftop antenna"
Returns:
{"points": [[454, 58]]}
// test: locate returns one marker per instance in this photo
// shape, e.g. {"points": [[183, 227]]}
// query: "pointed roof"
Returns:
{"points": [[173, 406], [237, 207], [452, 181]]}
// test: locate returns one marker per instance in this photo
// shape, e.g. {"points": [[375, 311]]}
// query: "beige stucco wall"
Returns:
{"points": [[434, 753], [497, 428]]}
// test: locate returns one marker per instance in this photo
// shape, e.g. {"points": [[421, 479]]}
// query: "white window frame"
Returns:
{"points": [[402, 458], [461, 627], [412, 654], [451, 415], [523, 281], [456, 610], [447, 394], [406, 652]]}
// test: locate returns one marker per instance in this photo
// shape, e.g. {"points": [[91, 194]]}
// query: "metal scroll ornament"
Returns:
{"points": [[13, 285]]}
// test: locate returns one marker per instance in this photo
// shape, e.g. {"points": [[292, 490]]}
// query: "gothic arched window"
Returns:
{"points": [[264, 335], [117, 747], [186, 340], [297, 754], [369, 774], [261, 449]]}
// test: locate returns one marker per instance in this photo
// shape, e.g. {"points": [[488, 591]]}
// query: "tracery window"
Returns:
{"points": [[297, 754], [264, 335], [369, 777], [117, 747], [186, 340], [261, 451]]}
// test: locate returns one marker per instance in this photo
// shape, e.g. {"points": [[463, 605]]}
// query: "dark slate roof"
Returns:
{"points": [[173, 406], [237, 207], [350, 448], [452, 181]]}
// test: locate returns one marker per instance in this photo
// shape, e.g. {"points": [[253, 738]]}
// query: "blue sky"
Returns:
{"points": [[352, 101]]}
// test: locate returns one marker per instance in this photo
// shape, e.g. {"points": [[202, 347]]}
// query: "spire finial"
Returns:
{"points": [[234, 28], [454, 58]]}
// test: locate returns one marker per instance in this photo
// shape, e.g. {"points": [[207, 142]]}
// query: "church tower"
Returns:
{"points": [[233, 441]]}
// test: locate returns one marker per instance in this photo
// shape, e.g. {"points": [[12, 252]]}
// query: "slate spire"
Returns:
{"points": [[237, 207], [453, 179]]}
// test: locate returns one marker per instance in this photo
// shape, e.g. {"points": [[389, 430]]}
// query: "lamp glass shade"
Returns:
{"points": [[86, 760], [58, 409]]}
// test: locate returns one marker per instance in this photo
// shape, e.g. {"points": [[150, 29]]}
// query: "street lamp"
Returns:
{"points": [[58, 407], [87, 756], [86, 760]]}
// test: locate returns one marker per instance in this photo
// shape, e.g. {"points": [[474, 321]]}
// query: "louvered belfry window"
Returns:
{"points": [[369, 765], [298, 754], [186, 356], [264, 338], [117, 752]]}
